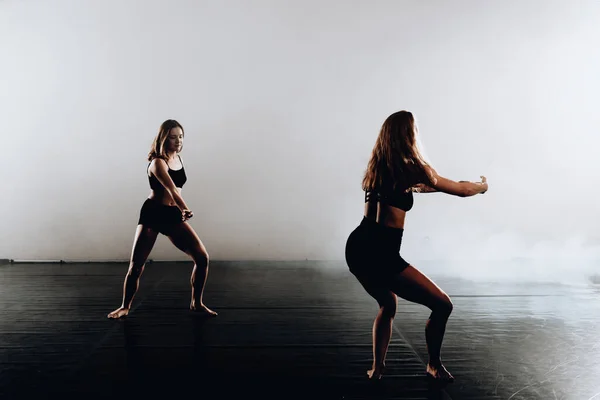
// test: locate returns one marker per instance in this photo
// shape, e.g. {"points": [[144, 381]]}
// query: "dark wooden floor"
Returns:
{"points": [[285, 330]]}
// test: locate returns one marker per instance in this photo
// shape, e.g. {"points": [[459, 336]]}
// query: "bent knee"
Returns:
{"points": [[445, 306], [387, 307], [199, 256]]}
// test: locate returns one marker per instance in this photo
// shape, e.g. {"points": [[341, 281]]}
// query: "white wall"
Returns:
{"points": [[282, 102]]}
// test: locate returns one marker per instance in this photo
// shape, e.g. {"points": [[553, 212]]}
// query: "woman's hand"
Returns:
{"points": [[422, 188], [484, 184], [186, 214]]}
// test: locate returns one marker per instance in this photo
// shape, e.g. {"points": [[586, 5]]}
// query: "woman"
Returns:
{"points": [[396, 170], [165, 211]]}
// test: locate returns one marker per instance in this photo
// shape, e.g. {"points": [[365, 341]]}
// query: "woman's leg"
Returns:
{"points": [[185, 239], [143, 243], [414, 286], [382, 326], [362, 257]]}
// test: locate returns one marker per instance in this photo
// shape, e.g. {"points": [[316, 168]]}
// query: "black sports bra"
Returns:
{"points": [[177, 175], [394, 198]]}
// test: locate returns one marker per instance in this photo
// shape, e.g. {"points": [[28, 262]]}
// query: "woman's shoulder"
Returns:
{"points": [[157, 161]]}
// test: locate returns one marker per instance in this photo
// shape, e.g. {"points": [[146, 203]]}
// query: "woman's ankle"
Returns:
{"points": [[378, 366], [435, 363]]}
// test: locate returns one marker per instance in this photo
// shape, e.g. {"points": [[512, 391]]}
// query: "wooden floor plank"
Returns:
{"points": [[284, 330]]}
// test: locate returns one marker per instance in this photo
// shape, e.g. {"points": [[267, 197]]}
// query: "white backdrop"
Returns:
{"points": [[282, 102]]}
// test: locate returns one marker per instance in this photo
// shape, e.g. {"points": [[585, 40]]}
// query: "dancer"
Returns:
{"points": [[395, 171], [165, 212]]}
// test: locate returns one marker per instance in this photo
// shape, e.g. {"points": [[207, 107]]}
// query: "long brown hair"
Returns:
{"points": [[395, 160], [158, 145]]}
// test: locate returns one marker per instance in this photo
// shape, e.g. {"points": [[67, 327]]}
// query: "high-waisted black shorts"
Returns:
{"points": [[160, 217], [373, 250]]}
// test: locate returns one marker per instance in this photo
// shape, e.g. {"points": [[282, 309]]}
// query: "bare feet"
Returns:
{"points": [[202, 309], [439, 372], [376, 373], [118, 313]]}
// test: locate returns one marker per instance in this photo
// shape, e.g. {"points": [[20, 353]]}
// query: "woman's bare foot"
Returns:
{"points": [[376, 373], [118, 313], [202, 309], [438, 372]]}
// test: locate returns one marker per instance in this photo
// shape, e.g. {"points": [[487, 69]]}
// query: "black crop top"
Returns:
{"points": [[394, 198], [178, 176]]}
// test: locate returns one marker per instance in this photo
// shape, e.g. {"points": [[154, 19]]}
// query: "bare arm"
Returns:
{"points": [[160, 169], [423, 188], [460, 188]]}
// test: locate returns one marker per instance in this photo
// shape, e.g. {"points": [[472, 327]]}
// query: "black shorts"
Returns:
{"points": [[159, 217], [373, 250]]}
